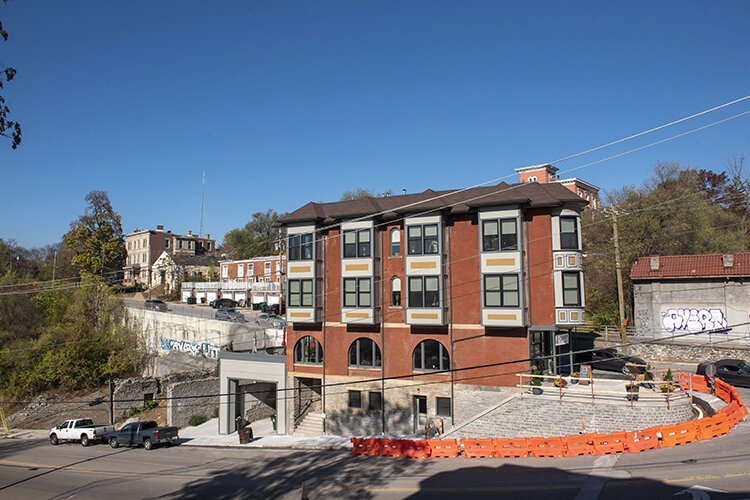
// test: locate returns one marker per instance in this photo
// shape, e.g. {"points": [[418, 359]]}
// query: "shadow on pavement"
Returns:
{"points": [[516, 481], [326, 475]]}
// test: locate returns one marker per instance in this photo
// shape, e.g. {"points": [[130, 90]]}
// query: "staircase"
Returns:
{"points": [[311, 425]]}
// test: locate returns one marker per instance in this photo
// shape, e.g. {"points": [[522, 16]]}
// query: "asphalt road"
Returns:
{"points": [[32, 468]]}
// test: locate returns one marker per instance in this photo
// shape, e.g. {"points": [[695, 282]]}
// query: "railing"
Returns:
{"points": [[232, 285], [300, 416], [581, 388]]}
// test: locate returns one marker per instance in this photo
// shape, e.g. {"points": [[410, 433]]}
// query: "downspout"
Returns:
{"points": [[382, 322], [325, 346], [525, 280], [450, 321]]}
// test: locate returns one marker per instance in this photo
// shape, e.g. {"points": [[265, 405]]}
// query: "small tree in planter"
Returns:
{"points": [[667, 384]]}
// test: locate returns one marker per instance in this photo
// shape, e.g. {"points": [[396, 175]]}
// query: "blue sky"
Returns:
{"points": [[282, 103]]}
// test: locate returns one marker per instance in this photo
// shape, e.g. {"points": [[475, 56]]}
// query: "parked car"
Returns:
{"points": [[219, 303], [732, 371], [273, 320], [612, 361], [229, 315], [146, 433], [80, 429], [155, 305]]}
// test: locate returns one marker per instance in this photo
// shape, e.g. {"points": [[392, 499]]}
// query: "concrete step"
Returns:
{"points": [[311, 425]]}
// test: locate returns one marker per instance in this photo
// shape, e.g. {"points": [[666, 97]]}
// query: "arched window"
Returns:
{"points": [[308, 350], [396, 291], [395, 242], [364, 352], [430, 355]]}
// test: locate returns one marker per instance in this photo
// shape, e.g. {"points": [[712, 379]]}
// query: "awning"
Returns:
{"points": [[257, 299], [273, 299]]}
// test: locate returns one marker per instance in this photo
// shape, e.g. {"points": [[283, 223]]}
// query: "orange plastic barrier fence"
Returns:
{"points": [[579, 445], [510, 447], [711, 427], [674, 435], [546, 447], [638, 441], [414, 449], [722, 390], [478, 448], [607, 444], [358, 446], [734, 412], [700, 384], [439, 448], [389, 448]]}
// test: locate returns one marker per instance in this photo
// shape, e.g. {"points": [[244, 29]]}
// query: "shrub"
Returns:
{"points": [[132, 412], [196, 420], [150, 404], [215, 413]]}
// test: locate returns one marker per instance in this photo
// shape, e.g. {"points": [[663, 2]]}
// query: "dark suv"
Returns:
{"points": [[155, 305], [221, 303]]}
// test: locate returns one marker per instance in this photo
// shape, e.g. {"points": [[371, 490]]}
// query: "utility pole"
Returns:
{"points": [[618, 269], [54, 267]]}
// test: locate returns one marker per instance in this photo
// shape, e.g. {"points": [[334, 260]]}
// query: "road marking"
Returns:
{"points": [[600, 471], [698, 492]]}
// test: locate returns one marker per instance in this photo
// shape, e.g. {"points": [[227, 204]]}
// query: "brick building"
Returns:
{"points": [[381, 292], [144, 247], [547, 173]]}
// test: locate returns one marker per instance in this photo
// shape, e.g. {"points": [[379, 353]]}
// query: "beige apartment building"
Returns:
{"points": [[145, 246]]}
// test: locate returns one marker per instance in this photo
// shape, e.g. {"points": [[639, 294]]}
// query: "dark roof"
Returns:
{"points": [[195, 260], [530, 194], [688, 266]]}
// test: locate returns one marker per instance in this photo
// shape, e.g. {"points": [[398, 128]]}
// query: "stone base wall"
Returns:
{"points": [[193, 397], [680, 351], [531, 416], [468, 401], [259, 401]]}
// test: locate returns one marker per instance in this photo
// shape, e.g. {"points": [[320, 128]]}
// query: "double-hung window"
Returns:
{"points": [[300, 246], [300, 293], [571, 283], [424, 291], [499, 235], [357, 243], [423, 239], [569, 233], [357, 292], [501, 290]]}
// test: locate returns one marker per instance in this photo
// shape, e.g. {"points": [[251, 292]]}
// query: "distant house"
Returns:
{"points": [[683, 296], [145, 247], [169, 270]]}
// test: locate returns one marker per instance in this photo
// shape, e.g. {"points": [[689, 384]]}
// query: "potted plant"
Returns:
{"points": [[574, 377], [536, 381], [632, 389], [667, 384], [648, 377], [560, 382]]}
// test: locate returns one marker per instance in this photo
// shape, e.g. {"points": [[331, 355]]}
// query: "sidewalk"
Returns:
{"points": [[207, 434]]}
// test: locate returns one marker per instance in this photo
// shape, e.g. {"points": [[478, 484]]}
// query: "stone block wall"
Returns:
{"points": [[259, 401], [681, 351], [531, 416], [133, 393], [191, 397]]}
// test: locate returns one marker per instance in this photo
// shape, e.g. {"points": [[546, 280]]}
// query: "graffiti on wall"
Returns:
{"points": [[689, 320], [195, 348]]}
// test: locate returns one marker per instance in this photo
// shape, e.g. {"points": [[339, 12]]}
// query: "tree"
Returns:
{"points": [[95, 240], [259, 237], [8, 128], [360, 193]]}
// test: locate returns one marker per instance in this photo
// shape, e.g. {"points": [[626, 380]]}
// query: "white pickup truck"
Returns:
{"points": [[80, 429]]}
